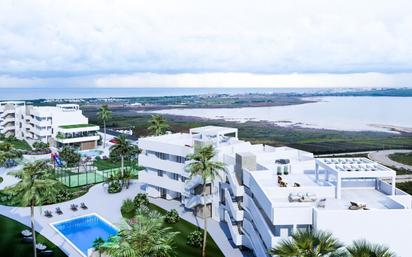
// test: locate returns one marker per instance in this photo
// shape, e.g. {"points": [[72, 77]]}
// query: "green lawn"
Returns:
{"points": [[184, 250], [18, 144], [108, 164], [405, 158], [10, 244]]}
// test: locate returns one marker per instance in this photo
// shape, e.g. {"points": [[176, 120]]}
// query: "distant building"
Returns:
{"points": [[60, 125], [268, 192]]}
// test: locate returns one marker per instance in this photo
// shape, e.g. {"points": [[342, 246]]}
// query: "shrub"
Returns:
{"points": [[114, 187], [141, 199], [70, 156], [128, 209], [40, 145], [195, 239], [172, 216], [1, 179]]}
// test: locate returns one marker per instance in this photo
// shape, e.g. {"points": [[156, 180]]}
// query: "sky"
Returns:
{"points": [[259, 43]]}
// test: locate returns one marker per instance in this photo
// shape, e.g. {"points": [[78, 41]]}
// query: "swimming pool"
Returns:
{"points": [[82, 231], [91, 153]]}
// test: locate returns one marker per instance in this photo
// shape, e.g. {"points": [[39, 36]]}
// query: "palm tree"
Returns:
{"points": [[143, 236], [362, 248], [36, 188], [202, 165], [104, 115], [158, 125], [122, 148], [97, 245], [308, 243]]}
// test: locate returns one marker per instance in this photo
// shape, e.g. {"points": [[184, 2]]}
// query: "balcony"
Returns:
{"points": [[237, 189], [258, 247], [67, 138], [195, 200], [236, 212], [153, 162], [152, 178], [234, 230]]}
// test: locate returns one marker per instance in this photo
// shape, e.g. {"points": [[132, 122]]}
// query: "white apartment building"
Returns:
{"points": [[59, 125], [268, 192]]}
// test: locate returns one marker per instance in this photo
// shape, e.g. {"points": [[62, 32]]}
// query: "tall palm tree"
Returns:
{"points": [[123, 149], [158, 125], [308, 243], [104, 115], [202, 165], [36, 188], [362, 248], [144, 236]]}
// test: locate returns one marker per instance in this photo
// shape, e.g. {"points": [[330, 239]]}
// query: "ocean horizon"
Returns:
{"points": [[93, 92]]}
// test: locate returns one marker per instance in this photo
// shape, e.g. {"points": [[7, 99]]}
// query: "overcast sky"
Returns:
{"points": [[308, 43]]}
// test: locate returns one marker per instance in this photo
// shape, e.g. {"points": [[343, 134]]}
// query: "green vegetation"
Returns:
{"points": [[104, 115], [107, 164], [405, 158], [312, 243], [172, 216], [144, 235], [317, 141], [10, 244], [35, 188], [70, 156], [405, 186], [17, 144], [74, 126], [128, 209], [1, 179], [185, 228], [202, 165], [158, 125]]}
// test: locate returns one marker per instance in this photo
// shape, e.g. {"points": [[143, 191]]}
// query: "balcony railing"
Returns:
{"points": [[76, 135]]}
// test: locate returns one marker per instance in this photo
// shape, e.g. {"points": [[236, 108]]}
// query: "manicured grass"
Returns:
{"points": [[10, 244], [19, 144], [184, 228], [405, 158], [108, 164], [77, 126]]}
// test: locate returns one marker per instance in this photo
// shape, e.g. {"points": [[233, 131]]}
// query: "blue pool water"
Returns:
{"points": [[91, 153], [82, 231]]}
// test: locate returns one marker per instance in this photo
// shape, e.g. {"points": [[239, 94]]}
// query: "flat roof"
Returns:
{"points": [[355, 167], [213, 130]]}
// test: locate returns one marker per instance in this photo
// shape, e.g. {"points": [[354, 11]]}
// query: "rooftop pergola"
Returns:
{"points": [[353, 168]]}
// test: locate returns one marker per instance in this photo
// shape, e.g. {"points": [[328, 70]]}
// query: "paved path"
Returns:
{"points": [[8, 180], [217, 230], [108, 206], [382, 157]]}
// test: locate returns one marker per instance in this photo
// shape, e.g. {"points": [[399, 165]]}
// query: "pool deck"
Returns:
{"points": [[108, 206]]}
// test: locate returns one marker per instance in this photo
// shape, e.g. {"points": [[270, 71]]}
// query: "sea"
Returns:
{"points": [[93, 92]]}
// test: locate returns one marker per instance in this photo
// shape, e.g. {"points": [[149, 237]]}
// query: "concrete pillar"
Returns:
{"points": [[338, 187], [393, 185], [317, 172]]}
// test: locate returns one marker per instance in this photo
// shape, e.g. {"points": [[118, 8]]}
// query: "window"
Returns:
{"points": [[180, 159], [160, 173], [175, 176]]}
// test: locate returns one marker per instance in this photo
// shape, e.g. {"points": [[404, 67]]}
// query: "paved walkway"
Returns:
{"points": [[217, 230], [9, 180], [383, 158], [108, 206]]}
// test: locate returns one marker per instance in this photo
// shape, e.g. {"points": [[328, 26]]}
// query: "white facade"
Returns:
{"points": [[47, 124], [260, 211]]}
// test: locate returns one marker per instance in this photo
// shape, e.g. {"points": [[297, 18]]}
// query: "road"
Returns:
{"points": [[383, 158]]}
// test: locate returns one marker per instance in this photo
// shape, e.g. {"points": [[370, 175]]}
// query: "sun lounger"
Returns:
{"points": [[73, 207], [59, 211], [296, 184], [48, 214], [46, 253], [294, 197], [26, 233], [83, 206], [27, 240], [357, 206]]}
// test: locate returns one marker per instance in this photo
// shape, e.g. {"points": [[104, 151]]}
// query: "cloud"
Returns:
{"points": [[52, 39]]}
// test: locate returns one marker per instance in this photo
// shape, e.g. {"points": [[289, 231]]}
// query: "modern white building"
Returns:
{"points": [[59, 125], [268, 192]]}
